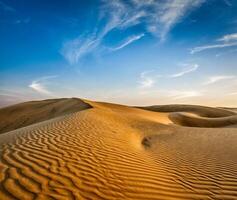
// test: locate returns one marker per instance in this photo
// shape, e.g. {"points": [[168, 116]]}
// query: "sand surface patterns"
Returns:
{"points": [[118, 152]]}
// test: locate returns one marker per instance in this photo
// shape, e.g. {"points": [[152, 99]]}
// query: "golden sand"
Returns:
{"points": [[118, 152]]}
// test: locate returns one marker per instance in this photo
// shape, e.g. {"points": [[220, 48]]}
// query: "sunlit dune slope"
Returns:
{"points": [[28, 113], [117, 152]]}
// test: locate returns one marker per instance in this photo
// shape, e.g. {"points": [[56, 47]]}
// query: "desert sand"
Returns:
{"points": [[74, 149]]}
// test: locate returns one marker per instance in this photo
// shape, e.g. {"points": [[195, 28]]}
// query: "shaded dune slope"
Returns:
{"points": [[231, 109], [117, 152], [198, 116], [185, 119], [195, 109], [24, 114]]}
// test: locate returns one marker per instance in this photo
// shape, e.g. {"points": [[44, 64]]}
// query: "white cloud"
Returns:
{"points": [[37, 86], [191, 68], [171, 12], [215, 46], [128, 41], [228, 37], [40, 84], [176, 94], [73, 50], [228, 40], [147, 80], [214, 79], [157, 17]]}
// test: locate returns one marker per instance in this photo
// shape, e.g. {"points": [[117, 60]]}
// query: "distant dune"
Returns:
{"points": [[198, 116], [203, 111], [74, 149], [28, 113], [185, 119]]}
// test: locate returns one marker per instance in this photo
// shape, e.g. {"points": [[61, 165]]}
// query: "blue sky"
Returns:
{"points": [[131, 52]]}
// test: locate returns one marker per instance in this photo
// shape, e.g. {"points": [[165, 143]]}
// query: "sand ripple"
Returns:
{"points": [[112, 152]]}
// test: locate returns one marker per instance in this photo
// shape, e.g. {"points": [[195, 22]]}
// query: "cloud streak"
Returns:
{"points": [[191, 68], [228, 37], [128, 41], [228, 40], [215, 79], [73, 50], [184, 94], [215, 46], [147, 80], [156, 17], [40, 84]]}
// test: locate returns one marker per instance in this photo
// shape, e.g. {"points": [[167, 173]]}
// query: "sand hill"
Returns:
{"points": [[28, 113], [198, 116], [93, 150], [203, 111]]}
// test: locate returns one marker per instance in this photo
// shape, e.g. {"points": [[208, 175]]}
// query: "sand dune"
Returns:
{"points": [[231, 109], [185, 119], [28, 113], [199, 110], [198, 116], [118, 152]]}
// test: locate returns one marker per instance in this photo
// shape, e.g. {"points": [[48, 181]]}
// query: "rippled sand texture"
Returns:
{"points": [[117, 152]]}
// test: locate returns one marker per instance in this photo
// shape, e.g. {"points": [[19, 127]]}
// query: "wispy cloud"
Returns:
{"points": [[215, 79], [228, 40], [157, 17], [228, 37], [40, 85], [147, 80], [215, 46], [189, 69], [171, 12], [6, 7], [73, 50], [176, 94], [128, 41]]}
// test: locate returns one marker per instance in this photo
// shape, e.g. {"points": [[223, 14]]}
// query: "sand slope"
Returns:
{"points": [[186, 119], [117, 152], [203, 111], [198, 116], [28, 113]]}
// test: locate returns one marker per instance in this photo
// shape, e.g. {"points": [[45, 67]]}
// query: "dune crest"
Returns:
{"points": [[24, 114], [117, 152]]}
